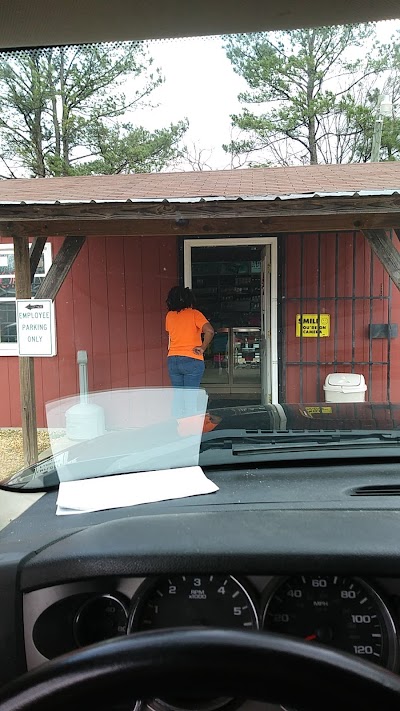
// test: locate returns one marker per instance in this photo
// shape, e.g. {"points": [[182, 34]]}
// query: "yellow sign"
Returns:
{"points": [[315, 410], [307, 325]]}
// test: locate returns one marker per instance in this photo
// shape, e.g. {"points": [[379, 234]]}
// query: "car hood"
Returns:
{"points": [[311, 416], [241, 419]]}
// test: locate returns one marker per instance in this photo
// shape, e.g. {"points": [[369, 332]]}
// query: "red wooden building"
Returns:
{"points": [[262, 249]]}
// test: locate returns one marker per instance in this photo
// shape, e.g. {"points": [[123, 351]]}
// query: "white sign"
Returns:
{"points": [[36, 327]]}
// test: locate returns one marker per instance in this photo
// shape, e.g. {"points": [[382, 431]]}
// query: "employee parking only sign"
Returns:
{"points": [[313, 325], [36, 327]]}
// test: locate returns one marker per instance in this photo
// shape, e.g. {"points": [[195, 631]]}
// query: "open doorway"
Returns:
{"points": [[234, 280]]}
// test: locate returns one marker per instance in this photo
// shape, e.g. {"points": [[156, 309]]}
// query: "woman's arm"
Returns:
{"points": [[167, 330], [208, 332]]}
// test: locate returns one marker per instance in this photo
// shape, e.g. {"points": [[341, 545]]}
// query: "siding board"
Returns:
{"points": [[113, 305], [354, 296]]}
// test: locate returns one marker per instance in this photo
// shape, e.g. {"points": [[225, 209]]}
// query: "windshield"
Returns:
{"points": [[199, 252]]}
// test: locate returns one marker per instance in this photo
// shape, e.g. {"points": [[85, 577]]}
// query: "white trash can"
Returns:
{"points": [[345, 387], [84, 421]]}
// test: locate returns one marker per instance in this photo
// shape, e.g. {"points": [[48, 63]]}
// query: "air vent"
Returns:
{"points": [[377, 490]]}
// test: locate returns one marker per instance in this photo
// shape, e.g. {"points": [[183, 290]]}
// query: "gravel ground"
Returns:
{"points": [[11, 453]]}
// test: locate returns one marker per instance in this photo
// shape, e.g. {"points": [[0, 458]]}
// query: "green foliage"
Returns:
{"points": [[126, 149], [63, 112], [313, 92]]}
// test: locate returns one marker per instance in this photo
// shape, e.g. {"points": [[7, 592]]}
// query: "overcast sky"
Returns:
{"points": [[201, 85]]}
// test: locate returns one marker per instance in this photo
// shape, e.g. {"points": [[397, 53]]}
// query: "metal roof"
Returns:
{"points": [[216, 198]]}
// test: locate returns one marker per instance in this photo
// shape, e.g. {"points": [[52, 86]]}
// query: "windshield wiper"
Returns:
{"points": [[304, 440]]}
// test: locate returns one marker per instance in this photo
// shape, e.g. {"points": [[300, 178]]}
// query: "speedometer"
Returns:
{"points": [[342, 612], [193, 600]]}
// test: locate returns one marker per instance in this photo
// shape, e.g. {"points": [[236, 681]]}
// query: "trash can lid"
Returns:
{"points": [[345, 379]]}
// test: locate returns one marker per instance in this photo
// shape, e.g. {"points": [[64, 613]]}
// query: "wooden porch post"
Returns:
{"points": [[382, 246], [26, 365], [36, 253], [60, 268], [26, 264]]}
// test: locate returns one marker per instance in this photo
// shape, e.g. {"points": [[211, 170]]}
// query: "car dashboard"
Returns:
{"points": [[289, 550], [350, 613], [355, 615]]}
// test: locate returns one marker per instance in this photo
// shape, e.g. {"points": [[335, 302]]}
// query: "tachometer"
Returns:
{"points": [[342, 612], [193, 600]]}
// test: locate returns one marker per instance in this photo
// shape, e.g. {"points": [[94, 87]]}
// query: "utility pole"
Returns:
{"points": [[384, 109]]}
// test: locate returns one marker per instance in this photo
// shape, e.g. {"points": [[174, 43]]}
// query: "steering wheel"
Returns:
{"points": [[211, 662]]}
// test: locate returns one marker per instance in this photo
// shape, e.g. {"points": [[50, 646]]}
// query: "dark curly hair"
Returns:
{"points": [[180, 298]]}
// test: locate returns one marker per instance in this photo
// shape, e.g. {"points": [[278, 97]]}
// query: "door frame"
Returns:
{"points": [[272, 242]]}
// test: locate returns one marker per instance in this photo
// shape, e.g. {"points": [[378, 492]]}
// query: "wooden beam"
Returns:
{"points": [[36, 253], [206, 209], [63, 262], [26, 365], [202, 226], [382, 246]]}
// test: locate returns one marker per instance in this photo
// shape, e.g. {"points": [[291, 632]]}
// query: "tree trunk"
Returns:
{"points": [[36, 124], [312, 141], [56, 124], [65, 117]]}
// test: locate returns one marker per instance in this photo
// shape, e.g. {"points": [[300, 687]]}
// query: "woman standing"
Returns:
{"points": [[186, 326]]}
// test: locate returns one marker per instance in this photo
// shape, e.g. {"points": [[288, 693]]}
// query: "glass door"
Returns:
{"points": [[226, 281], [246, 366], [233, 361], [216, 359], [265, 344]]}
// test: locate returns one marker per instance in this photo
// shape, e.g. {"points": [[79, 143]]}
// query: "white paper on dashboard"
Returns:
{"points": [[88, 495]]}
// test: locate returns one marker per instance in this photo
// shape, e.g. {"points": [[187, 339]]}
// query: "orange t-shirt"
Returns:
{"points": [[184, 329]]}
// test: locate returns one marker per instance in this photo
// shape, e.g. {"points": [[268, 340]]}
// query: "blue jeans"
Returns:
{"points": [[185, 372]]}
